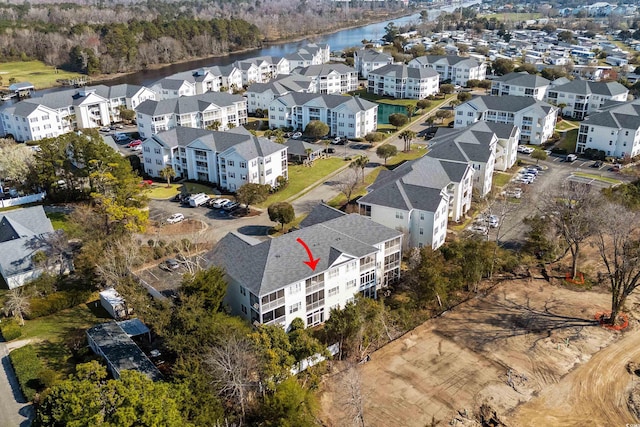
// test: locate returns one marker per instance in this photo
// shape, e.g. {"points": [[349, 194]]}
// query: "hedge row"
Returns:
{"points": [[10, 330], [28, 368], [53, 303]]}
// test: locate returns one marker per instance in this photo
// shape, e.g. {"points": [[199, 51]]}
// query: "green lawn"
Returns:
{"points": [[301, 177], [35, 72], [500, 179], [160, 190], [566, 125], [60, 221], [597, 177], [52, 332], [416, 152], [193, 188], [569, 141]]}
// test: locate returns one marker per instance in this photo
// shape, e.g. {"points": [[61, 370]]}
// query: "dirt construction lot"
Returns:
{"points": [[530, 350]]}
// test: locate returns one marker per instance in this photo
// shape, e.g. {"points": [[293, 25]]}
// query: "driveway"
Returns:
{"points": [[14, 410]]}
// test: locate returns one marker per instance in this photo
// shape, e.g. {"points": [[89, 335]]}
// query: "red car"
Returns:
{"points": [[134, 143], [146, 182]]}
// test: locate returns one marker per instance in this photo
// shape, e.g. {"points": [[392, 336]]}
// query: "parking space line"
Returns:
{"points": [[555, 159]]}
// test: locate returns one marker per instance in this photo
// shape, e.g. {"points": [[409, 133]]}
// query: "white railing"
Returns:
{"points": [[15, 201]]}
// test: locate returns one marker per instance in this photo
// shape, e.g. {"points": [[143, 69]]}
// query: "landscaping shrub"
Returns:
{"points": [[10, 330], [28, 367], [44, 306]]}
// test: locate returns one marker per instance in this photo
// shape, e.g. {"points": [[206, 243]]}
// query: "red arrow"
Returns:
{"points": [[312, 263]]}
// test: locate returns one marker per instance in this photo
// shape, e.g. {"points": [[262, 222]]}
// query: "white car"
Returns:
{"points": [[493, 221], [516, 193], [480, 229], [220, 202], [175, 218], [524, 149], [297, 135]]}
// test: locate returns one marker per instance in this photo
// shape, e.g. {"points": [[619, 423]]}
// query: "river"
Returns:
{"points": [[337, 41]]}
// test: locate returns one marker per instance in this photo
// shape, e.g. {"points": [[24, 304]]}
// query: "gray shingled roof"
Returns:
{"points": [[22, 233], [402, 71], [523, 79], [585, 87], [282, 85], [354, 103], [319, 214], [447, 59], [276, 263], [299, 148], [372, 55], [471, 143], [323, 70], [623, 116], [508, 103], [188, 104]]}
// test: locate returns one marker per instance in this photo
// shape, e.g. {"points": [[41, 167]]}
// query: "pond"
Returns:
{"points": [[385, 110]]}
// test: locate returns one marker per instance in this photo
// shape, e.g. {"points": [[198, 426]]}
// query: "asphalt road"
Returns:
{"points": [[14, 410]]}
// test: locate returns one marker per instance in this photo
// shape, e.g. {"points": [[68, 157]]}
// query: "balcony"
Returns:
{"points": [[202, 158], [309, 289], [273, 304], [279, 321], [314, 305], [367, 266]]}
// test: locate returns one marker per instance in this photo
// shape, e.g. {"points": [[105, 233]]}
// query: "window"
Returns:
{"points": [[421, 231], [367, 279], [333, 272], [399, 215], [351, 266], [147, 160], [315, 300], [295, 288], [158, 162], [243, 164], [243, 291], [229, 162], [156, 150], [315, 318], [147, 149], [422, 216], [334, 291], [295, 307], [351, 283], [244, 309]]}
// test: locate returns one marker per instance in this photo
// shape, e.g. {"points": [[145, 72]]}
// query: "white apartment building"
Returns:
{"points": [[402, 82], [583, 97], [419, 197], [347, 116], [520, 84], [535, 119], [330, 78], [457, 69], [309, 54], [260, 95], [198, 111], [196, 82], [228, 159], [261, 69], [56, 113], [366, 60], [615, 131], [175, 87], [269, 283]]}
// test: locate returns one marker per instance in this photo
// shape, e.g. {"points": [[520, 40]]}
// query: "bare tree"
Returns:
{"points": [[17, 305], [353, 396], [120, 257], [617, 242], [502, 208], [348, 185], [572, 211], [234, 365]]}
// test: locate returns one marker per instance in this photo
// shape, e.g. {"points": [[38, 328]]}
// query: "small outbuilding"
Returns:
{"points": [[111, 300]]}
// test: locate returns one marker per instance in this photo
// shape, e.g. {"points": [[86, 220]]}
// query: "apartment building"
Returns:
{"points": [[403, 82], [582, 97], [309, 54], [535, 119], [56, 113], [269, 282], [616, 131], [347, 116], [457, 69], [520, 84], [366, 60], [199, 111], [419, 197], [260, 95], [330, 78], [261, 69], [228, 159]]}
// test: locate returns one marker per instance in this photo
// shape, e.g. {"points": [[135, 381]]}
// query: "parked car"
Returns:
{"points": [[218, 203], [120, 137], [175, 218], [339, 141], [145, 182], [330, 150], [493, 221], [479, 229], [297, 135], [229, 206], [105, 129], [524, 149], [571, 158], [516, 193], [134, 143], [597, 164], [170, 264]]}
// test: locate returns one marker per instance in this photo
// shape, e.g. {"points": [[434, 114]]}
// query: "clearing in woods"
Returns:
{"points": [[530, 350]]}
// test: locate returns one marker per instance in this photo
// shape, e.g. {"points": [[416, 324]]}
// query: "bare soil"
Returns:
{"points": [[531, 351]]}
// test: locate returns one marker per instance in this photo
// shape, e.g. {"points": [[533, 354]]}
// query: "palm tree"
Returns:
{"points": [[361, 162], [407, 136], [561, 107], [168, 173], [411, 108], [215, 125]]}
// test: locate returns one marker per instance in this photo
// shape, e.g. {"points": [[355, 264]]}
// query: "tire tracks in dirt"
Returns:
{"points": [[594, 394]]}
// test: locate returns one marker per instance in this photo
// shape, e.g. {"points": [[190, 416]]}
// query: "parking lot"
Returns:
{"points": [[553, 172]]}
